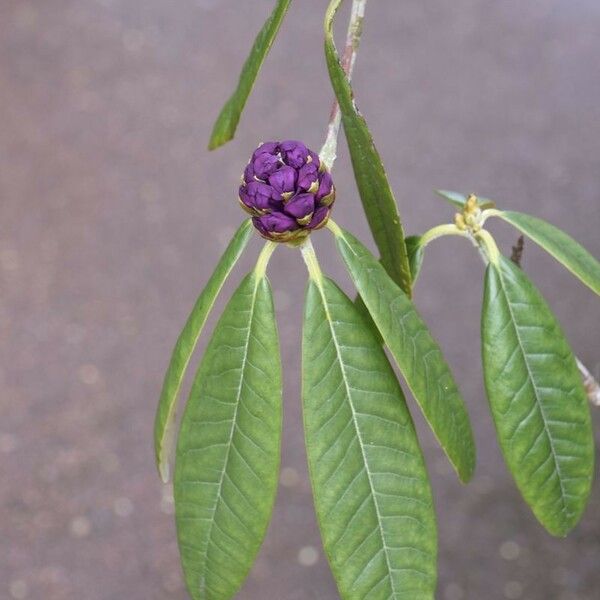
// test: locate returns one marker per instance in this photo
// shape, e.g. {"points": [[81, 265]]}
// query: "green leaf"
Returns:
{"points": [[227, 122], [180, 358], [560, 245], [371, 490], [415, 255], [537, 398], [375, 191], [457, 199], [227, 462], [417, 354]]}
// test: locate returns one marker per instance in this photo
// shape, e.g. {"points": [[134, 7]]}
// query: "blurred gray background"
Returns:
{"points": [[112, 215]]}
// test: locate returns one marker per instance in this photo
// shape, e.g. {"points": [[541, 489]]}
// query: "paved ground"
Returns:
{"points": [[112, 214]]}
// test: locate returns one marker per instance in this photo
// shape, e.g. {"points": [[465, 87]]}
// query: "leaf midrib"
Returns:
{"points": [[419, 397], [563, 493], [233, 424], [319, 285], [384, 222]]}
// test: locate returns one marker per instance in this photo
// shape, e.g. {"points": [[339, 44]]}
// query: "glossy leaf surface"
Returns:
{"points": [[537, 399], [227, 122], [560, 245], [371, 490], [375, 191], [417, 354], [180, 358], [228, 449]]}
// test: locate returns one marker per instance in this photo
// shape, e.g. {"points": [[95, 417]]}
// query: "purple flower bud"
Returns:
{"points": [[294, 153], [265, 164], [256, 196], [308, 176], [325, 193], [287, 191], [268, 147], [320, 218], [248, 173], [276, 223], [283, 180], [300, 206]]}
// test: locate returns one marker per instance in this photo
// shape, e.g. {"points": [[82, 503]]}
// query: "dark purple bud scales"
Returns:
{"points": [[287, 191], [284, 180]]}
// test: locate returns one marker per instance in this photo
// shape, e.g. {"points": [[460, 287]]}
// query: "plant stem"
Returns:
{"points": [[328, 152], [334, 228], [488, 245], [310, 258], [591, 385], [439, 231], [263, 259]]}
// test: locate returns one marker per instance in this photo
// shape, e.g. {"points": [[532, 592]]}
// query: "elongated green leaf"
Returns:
{"points": [[227, 122], [180, 358], [375, 191], [415, 351], [227, 462], [457, 199], [371, 490], [560, 245], [537, 398]]}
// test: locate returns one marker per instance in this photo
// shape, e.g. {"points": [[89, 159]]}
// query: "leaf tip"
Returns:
{"points": [[217, 139], [560, 528], [224, 128], [465, 475], [465, 467], [558, 531]]}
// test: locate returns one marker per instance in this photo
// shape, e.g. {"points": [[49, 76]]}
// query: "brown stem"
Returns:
{"points": [[329, 150], [517, 251]]}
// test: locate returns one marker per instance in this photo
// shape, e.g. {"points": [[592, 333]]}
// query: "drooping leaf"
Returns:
{"points": [[371, 490], [227, 122], [375, 191], [180, 358], [537, 399], [417, 354], [364, 313], [415, 255], [457, 199], [560, 245], [228, 449]]}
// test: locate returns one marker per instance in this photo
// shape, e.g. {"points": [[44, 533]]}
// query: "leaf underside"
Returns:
{"points": [[457, 199], [560, 245], [228, 450], [227, 121], [184, 348], [371, 490], [417, 354], [375, 191], [537, 399]]}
